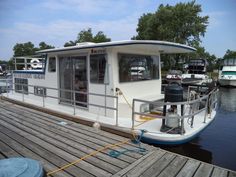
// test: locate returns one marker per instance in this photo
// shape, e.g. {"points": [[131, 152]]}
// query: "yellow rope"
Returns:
{"points": [[88, 155]]}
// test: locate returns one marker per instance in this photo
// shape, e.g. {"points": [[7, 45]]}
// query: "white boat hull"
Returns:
{"points": [[227, 82]]}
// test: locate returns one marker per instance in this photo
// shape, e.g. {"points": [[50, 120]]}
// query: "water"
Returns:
{"points": [[217, 143]]}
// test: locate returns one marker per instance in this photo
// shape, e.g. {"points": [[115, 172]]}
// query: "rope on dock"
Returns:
{"points": [[88, 155]]}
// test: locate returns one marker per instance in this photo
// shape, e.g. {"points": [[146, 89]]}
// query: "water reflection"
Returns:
{"points": [[193, 150], [227, 99]]}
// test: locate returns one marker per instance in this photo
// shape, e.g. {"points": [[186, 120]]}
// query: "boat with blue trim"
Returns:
{"points": [[118, 85]]}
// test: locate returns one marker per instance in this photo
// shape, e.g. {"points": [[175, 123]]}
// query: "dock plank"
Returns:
{"points": [[144, 165], [174, 167], [80, 131], [35, 136], [70, 136], [232, 174], [189, 168], [217, 172], [49, 156], [70, 145], [159, 165], [27, 153], [204, 170], [8, 151]]}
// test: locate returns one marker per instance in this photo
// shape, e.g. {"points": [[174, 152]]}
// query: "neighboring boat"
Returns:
{"points": [[174, 76], [227, 76], [116, 84], [196, 73]]}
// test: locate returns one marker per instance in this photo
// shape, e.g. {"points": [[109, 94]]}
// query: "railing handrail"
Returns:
{"points": [[73, 101], [208, 97]]}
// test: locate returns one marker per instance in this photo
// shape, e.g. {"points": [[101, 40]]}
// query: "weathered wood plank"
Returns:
{"points": [[219, 172], [80, 131], [8, 151], [204, 170], [69, 144], [49, 156], [128, 168], [232, 174], [146, 164], [189, 168], [27, 153], [2, 156], [174, 167], [108, 136], [68, 134], [159, 165], [32, 135]]}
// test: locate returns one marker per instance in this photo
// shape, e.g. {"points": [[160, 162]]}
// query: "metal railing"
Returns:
{"points": [[72, 101], [203, 103]]}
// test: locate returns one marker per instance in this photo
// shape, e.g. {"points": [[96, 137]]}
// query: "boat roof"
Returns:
{"points": [[152, 45]]}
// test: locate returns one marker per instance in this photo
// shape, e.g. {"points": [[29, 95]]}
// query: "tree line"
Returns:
{"points": [[181, 23]]}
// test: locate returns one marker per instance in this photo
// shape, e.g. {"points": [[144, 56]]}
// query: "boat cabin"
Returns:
{"points": [[88, 75]]}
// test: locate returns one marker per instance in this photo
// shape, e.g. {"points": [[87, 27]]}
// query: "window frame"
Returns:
{"points": [[50, 70], [137, 54], [106, 63], [18, 82]]}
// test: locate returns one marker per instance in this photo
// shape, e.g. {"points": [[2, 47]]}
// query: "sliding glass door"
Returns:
{"points": [[73, 77]]}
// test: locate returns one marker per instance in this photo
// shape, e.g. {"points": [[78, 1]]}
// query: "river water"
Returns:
{"points": [[217, 143]]}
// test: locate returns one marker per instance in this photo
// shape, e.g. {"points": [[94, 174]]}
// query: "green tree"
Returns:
{"points": [[43, 45], [230, 54], [28, 48], [24, 49], [87, 36], [181, 23]]}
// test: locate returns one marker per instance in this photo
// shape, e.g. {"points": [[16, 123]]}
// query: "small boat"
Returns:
{"points": [[196, 73], [227, 76], [118, 85], [174, 76]]}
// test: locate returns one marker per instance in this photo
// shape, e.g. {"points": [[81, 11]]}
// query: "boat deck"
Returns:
{"points": [[56, 142]]}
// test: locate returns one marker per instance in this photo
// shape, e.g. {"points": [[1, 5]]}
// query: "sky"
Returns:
{"points": [[58, 21]]}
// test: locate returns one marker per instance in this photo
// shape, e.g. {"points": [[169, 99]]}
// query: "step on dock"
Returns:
{"points": [[56, 142]]}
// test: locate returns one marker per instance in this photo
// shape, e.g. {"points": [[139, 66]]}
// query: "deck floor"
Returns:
{"points": [[29, 133]]}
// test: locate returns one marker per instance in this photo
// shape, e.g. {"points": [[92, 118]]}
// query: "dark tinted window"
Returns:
{"points": [[97, 68]]}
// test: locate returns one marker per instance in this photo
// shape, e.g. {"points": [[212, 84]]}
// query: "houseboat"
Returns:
{"points": [[227, 74], [115, 84]]}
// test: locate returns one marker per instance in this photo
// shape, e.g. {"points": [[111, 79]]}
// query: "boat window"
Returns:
{"points": [[21, 85], [97, 68], [134, 67], [40, 91], [52, 64]]}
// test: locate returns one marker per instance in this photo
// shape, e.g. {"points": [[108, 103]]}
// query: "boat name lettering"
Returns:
{"points": [[98, 51], [28, 76]]}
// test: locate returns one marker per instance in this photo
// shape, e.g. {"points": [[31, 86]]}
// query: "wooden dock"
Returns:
{"points": [[56, 142]]}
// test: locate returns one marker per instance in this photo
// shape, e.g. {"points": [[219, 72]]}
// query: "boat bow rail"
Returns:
{"points": [[191, 108]]}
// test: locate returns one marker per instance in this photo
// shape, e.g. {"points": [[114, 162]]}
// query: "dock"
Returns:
{"points": [[56, 142]]}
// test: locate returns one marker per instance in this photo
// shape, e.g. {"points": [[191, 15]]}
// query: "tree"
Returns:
{"points": [[24, 49], [87, 36], [27, 49], [180, 23], [43, 45], [230, 54]]}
